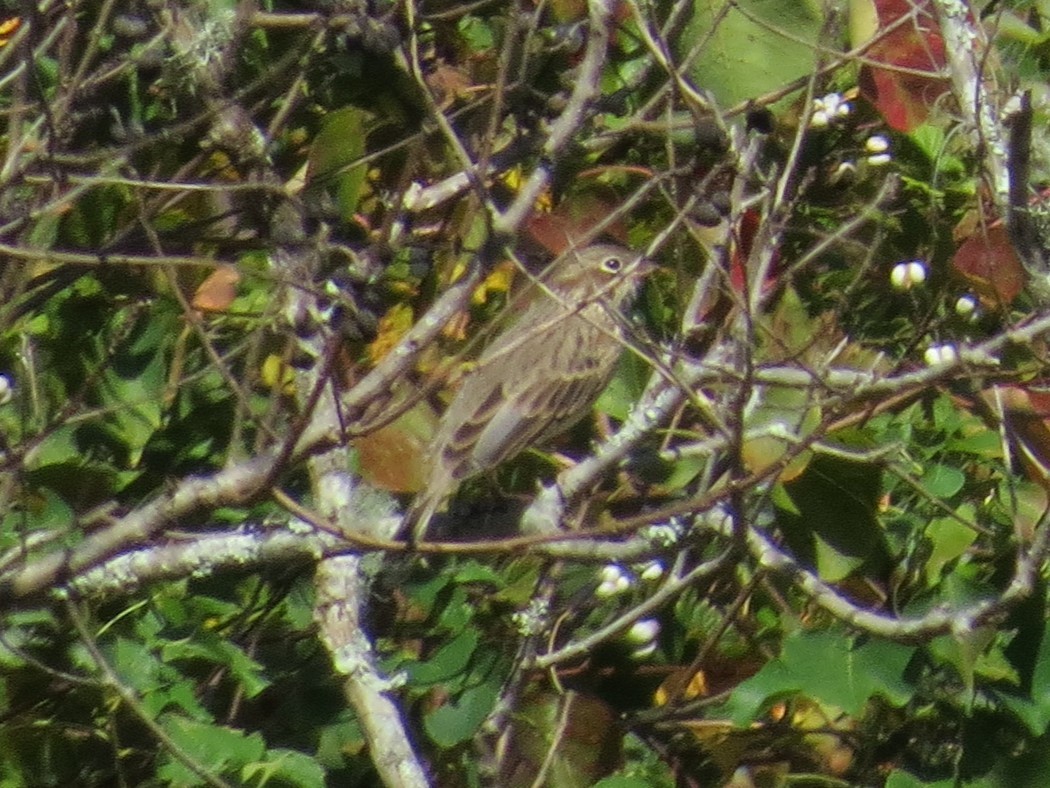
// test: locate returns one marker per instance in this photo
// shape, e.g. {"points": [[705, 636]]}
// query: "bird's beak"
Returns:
{"points": [[645, 267]]}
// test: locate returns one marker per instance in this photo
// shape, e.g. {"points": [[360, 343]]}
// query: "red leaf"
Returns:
{"points": [[904, 99], [745, 239], [1027, 413], [573, 220], [990, 266]]}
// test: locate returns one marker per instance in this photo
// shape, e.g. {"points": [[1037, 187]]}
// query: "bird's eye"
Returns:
{"points": [[612, 265]]}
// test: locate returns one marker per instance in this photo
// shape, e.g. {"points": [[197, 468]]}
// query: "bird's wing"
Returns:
{"points": [[526, 410]]}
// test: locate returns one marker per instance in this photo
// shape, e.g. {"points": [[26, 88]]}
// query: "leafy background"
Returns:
{"points": [[813, 553]]}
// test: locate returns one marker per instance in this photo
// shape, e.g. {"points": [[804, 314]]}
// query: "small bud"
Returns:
{"points": [[940, 354], [966, 306], [844, 173], [6, 390], [130, 26], [829, 109], [899, 276], [665, 534], [830, 102], [653, 570], [819, 120], [1012, 106], [722, 202], [644, 652], [642, 632], [610, 572], [905, 276], [532, 620], [706, 215], [612, 581], [876, 143]]}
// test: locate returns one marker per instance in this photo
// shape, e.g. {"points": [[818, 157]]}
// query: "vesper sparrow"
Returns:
{"points": [[539, 376]]}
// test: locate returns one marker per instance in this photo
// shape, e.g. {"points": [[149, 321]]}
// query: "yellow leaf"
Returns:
{"points": [[495, 283], [513, 179], [392, 326], [8, 28], [276, 374], [681, 685]]}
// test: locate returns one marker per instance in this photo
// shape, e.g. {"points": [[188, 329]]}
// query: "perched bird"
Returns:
{"points": [[539, 376]]}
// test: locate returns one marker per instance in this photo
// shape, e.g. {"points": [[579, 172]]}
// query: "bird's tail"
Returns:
{"points": [[419, 514]]}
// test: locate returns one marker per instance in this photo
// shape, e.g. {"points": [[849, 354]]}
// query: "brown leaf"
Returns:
{"points": [[217, 292], [449, 84], [1027, 413], [393, 458], [572, 739]]}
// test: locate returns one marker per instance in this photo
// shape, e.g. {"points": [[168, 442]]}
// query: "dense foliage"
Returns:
{"points": [[246, 252]]}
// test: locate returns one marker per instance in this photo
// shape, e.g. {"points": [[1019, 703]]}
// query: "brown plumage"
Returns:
{"points": [[539, 376]]}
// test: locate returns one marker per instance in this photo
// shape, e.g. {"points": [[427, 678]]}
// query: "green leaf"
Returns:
{"points": [[475, 572], [964, 650], [1033, 708], [42, 509], [1026, 503], [835, 528], [332, 174], [782, 500], [457, 612], [942, 481], [133, 386], [748, 48], [158, 685], [930, 140], [777, 419], [476, 33], [424, 596], [950, 537], [632, 373], [94, 217], [830, 667], [220, 651], [217, 748], [682, 471], [337, 740], [286, 766], [136, 664], [833, 564], [623, 782], [448, 661], [58, 447], [899, 779], [753, 696], [25, 629], [458, 721], [985, 443], [45, 231]]}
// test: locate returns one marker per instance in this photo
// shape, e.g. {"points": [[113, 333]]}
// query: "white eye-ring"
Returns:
{"points": [[612, 265]]}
